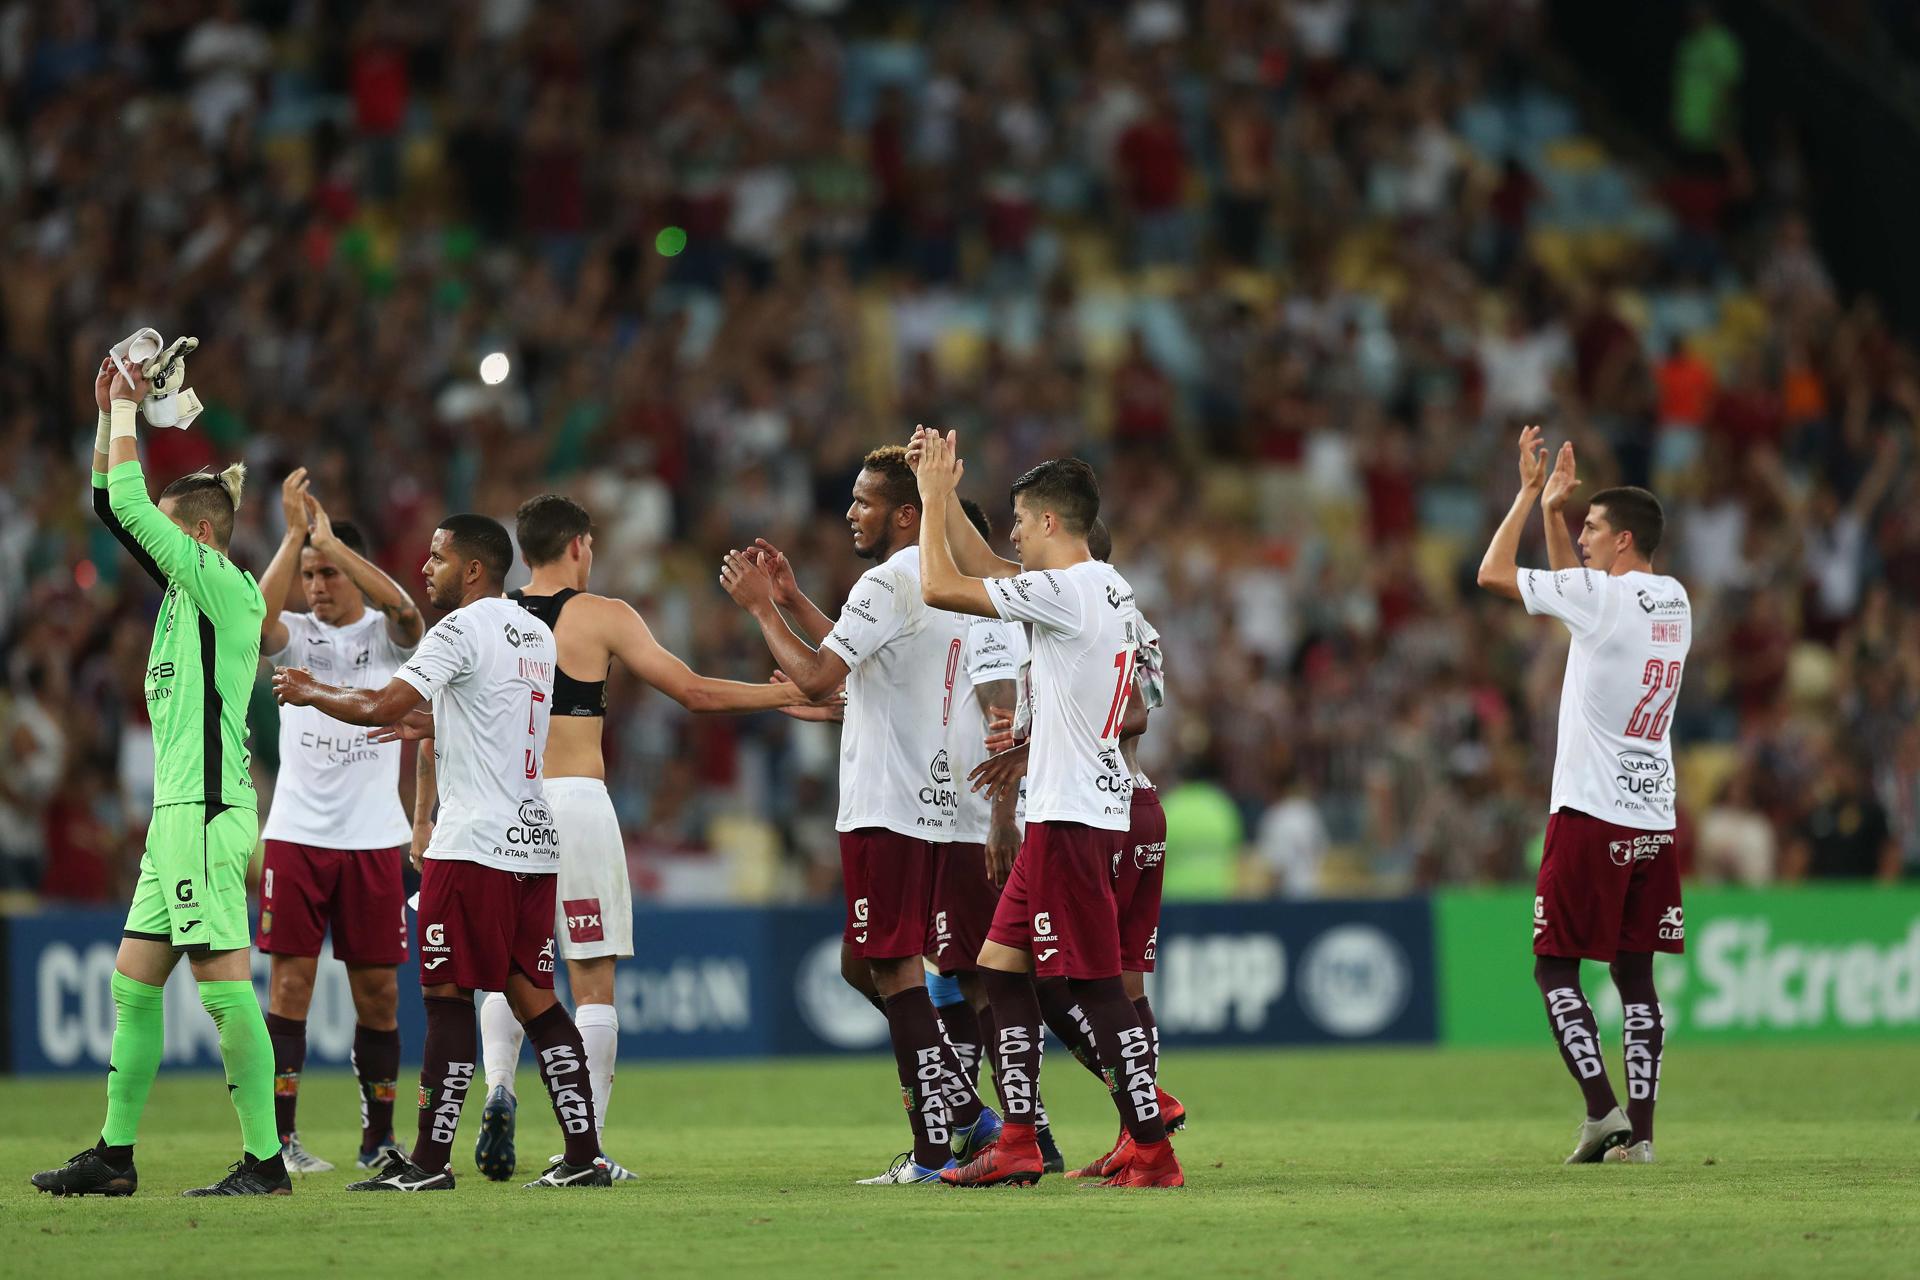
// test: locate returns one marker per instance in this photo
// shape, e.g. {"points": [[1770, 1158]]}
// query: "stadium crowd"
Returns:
{"points": [[1290, 273]]}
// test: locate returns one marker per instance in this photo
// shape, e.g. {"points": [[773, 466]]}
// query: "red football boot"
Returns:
{"points": [[1111, 1163], [1153, 1165], [1173, 1113], [1013, 1161]]}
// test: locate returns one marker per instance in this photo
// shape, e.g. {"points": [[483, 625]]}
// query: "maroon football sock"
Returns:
{"points": [[1068, 1022], [561, 1055], [1576, 1031], [289, 1036], [920, 1053], [446, 1072], [1145, 1009], [1016, 1044], [1119, 1039], [376, 1060], [1643, 1038], [961, 1025]]}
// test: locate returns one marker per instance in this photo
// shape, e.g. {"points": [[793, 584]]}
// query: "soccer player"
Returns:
{"points": [[1609, 886], [969, 871], [1139, 867], [1056, 916], [487, 883], [900, 661], [192, 892], [595, 920], [336, 836]]}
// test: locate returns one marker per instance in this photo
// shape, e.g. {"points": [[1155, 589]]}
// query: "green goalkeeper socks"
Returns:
{"points": [[247, 1051], [139, 1035]]}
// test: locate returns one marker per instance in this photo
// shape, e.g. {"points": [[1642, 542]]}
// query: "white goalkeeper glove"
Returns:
{"points": [[170, 403]]}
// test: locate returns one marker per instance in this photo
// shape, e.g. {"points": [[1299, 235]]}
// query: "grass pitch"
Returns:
{"points": [[1775, 1161]]}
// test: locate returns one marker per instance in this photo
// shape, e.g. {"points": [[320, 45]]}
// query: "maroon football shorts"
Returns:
{"points": [[478, 924], [1058, 903], [1139, 868], [303, 889], [888, 879], [1604, 889], [963, 903]]}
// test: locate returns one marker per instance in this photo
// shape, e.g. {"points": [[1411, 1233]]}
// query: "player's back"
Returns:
{"points": [[1631, 635], [905, 675], [583, 659], [491, 666], [1085, 638]]}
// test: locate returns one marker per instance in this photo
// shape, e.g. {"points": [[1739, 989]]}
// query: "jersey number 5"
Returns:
{"points": [[1650, 724], [533, 766]]}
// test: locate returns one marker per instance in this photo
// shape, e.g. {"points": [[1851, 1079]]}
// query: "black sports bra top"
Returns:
{"points": [[570, 697]]}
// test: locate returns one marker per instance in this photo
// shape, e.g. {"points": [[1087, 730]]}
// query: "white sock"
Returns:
{"points": [[500, 1037], [600, 1030]]}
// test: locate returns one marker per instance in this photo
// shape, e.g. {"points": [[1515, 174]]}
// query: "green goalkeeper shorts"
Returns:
{"points": [[193, 879]]}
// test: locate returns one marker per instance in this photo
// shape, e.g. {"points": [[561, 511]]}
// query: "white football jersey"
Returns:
{"points": [[1150, 682], [995, 651], [1086, 636], [1631, 633], [905, 662], [336, 790], [489, 669]]}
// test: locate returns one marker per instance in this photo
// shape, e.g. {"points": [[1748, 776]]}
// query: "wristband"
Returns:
{"points": [[102, 433], [125, 415]]}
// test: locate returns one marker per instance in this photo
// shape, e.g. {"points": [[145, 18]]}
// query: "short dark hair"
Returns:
{"points": [[889, 462], [210, 496], [1065, 486], [350, 536], [977, 516], [546, 525], [481, 538], [1100, 540], [1636, 511]]}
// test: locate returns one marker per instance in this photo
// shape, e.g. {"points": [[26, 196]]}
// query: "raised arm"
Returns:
{"points": [[629, 639], [1500, 567], [807, 617], [371, 708], [816, 672], [103, 384], [277, 581], [942, 584], [1553, 504], [404, 625], [971, 554]]}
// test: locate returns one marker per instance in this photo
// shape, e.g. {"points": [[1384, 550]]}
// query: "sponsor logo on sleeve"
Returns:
{"points": [[514, 636], [1051, 580], [862, 608], [583, 920]]}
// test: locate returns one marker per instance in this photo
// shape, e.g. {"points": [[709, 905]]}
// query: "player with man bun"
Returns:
{"points": [[192, 893]]}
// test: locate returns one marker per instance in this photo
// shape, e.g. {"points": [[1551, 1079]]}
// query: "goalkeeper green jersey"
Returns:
{"points": [[206, 646]]}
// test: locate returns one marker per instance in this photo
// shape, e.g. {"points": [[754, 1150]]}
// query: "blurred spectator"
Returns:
{"points": [[1845, 836], [1286, 274]]}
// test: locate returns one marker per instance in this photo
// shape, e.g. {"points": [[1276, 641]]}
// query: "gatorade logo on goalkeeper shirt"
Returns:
{"points": [[491, 699], [206, 647]]}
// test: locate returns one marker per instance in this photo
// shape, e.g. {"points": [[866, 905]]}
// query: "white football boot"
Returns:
{"points": [[301, 1160], [1597, 1137], [1636, 1153]]}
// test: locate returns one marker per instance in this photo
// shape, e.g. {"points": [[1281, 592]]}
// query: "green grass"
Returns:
{"points": [[1774, 1162]]}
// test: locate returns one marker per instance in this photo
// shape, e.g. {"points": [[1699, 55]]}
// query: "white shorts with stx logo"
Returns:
{"points": [[593, 907]]}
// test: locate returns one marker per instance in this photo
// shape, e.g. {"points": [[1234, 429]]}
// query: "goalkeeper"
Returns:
{"points": [[192, 891]]}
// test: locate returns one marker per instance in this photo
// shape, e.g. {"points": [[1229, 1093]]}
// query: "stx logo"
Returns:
{"points": [[583, 920]]}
